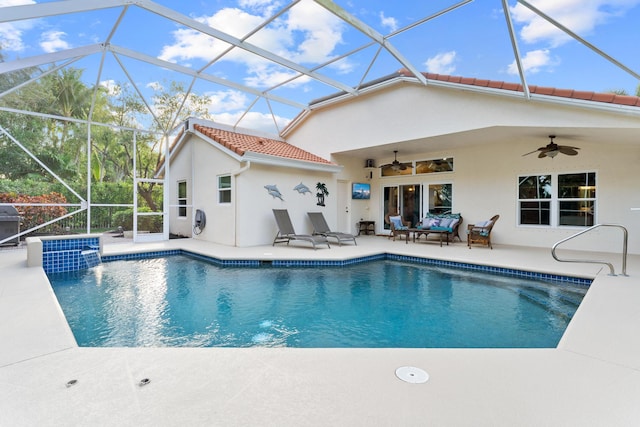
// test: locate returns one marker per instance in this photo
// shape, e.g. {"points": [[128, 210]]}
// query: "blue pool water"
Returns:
{"points": [[179, 301]]}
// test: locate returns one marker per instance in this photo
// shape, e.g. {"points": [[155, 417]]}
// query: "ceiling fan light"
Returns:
{"points": [[552, 154]]}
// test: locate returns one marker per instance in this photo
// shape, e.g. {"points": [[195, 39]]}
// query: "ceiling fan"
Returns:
{"points": [[396, 165], [552, 149]]}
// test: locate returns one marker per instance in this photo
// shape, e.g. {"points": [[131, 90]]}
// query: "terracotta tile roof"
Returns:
{"points": [[241, 143], [610, 98]]}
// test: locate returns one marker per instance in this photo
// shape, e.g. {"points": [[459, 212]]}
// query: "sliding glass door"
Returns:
{"points": [[413, 201], [405, 200]]}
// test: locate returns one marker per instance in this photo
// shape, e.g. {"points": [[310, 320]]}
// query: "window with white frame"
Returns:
{"points": [[557, 199], [440, 198], [224, 189], [534, 198], [577, 199], [182, 199], [434, 165]]}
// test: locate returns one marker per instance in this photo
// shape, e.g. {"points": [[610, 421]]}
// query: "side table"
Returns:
{"points": [[366, 227]]}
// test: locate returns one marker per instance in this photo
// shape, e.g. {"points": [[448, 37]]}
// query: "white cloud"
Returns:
{"points": [[265, 7], [388, 22], [266, 77], [442, 63], [533, 62], [157, 86], [52, 41], [112, 87], [253, 120], [321, 33], [11, 33], [306, 34], [227, 100], [580, 16]]}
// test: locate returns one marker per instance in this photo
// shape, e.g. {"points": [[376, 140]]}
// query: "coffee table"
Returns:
{"points": [[417, 232]]}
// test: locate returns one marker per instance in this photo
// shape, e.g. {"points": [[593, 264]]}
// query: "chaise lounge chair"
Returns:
{"points": [[321, 227], [286, 233]]}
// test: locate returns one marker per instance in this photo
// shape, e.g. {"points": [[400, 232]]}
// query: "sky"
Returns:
{"points": [[469, 39]]}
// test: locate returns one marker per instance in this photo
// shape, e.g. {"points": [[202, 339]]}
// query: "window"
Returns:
{"points": [[577, 197], [557, 200], [434, 165], [440, 198], [421, 167], [534, 197], [182, 199], [224, 189], [395, 170]]}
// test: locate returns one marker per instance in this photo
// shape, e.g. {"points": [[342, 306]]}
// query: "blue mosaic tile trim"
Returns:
{"points": [[340, 263], [141, 255], [70, 244], [160, 254], [62, 255], [63, 261], [224, 262], [325, 263], [493, 270]]}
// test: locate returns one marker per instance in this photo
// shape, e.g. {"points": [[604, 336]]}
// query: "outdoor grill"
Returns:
{"points": [[9, 225]]}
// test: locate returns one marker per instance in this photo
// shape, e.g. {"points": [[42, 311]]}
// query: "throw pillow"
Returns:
{"points": [[396, 221], [433, 222], [446, 222]]}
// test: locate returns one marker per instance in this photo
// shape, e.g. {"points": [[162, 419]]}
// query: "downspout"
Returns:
{"points": [[235, 174]]}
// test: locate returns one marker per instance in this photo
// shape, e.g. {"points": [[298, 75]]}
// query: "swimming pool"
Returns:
{"points": [[184, 302]]}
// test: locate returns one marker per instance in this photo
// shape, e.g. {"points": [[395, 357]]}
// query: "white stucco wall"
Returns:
{"points": [[409, 112], [256, 224], [248, 220], [181, 170], [486, 175], [200, 165]]}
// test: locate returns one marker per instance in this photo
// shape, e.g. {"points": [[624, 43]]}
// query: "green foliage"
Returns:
{"points": [[31, 186], [112, 192], [63, 145], [124, 219]]}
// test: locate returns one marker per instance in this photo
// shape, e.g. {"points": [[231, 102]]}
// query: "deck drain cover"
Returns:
{"points": [[412, 375]]}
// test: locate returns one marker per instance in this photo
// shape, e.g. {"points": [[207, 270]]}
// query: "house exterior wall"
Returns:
{"points": [[181, 170], [408, 112], [255, 204], [200, 164], [486, 174], [248, 220]]}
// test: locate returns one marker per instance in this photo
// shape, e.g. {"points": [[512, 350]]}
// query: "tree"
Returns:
{"points": [[172, 105]]}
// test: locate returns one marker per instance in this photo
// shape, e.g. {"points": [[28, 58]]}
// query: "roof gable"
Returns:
{"points": [[241, 143], [604, 99]]}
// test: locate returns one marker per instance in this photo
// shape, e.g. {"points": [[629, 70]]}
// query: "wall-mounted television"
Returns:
{"points": [[361, 191]]}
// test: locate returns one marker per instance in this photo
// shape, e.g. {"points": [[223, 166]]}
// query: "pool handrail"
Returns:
{"points": [[611, 269]]}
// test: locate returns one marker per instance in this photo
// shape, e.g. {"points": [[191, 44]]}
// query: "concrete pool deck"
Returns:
{"points": [[591, 378]]}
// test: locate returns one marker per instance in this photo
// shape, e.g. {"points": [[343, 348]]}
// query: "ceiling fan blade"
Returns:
{"points": [[388, 165], [534, 151], [542, 154], [569, 151]]}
